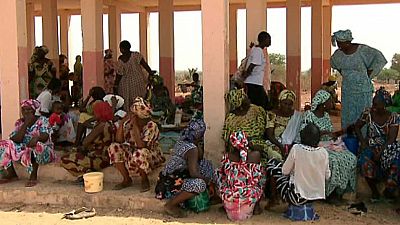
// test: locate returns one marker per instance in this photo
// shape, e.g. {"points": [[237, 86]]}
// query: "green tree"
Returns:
{"points": [[278, 67], [389, 74], [277, 59], [396, 62]]}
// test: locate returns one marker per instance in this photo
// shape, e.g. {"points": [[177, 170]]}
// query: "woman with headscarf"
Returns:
{"points": [[136, 150], [358, 64], [187, 173], [248, 118], [342, 162], [109, 72], [93, 155], [158, 96], [41, 70], [30, 144], [240, 179], [130, 81], [380, 156]]}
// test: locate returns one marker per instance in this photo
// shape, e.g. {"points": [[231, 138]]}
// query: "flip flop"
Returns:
{"points": [[80, 213], [31, 183]]}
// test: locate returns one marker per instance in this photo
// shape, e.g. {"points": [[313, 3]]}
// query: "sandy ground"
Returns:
{"points": [[44, 214]]}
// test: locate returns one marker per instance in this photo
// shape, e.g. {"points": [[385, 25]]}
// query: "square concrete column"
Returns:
{"points": [[143, 26], [166, 39], [233, 39], [92, 27], [316, 45], [215, 23], [65, 18], [327, 48], [30, 27], [13, 62], [256, 19], [114, 27], [293, 48], [50, 29]]}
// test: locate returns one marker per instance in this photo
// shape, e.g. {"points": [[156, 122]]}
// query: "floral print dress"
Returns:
{"points": [[138, 159], [109, 75], [19, 152]]}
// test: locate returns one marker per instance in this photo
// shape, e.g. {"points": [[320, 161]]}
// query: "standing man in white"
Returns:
{"points": [[254, 76]]}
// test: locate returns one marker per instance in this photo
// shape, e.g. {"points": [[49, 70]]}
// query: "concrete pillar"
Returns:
{"points": [[232, 39], [30, 26], [215, 23], [143, 26], [64, 27], [293, 48], [256, 19], [166, 39], [50, 29], [327, 31], [316, 45], [13, 62], [92, 27], [114, 27]]}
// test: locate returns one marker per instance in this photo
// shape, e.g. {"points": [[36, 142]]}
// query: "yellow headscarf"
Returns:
{"points": [[287, 94], [235, 98], [141, 108]]}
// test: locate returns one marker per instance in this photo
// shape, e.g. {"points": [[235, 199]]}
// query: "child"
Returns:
{"points": [[302, 177], [63, 128], [117, 103]]}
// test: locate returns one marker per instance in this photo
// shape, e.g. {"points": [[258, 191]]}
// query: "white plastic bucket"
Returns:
{"points": [[93, 182]]}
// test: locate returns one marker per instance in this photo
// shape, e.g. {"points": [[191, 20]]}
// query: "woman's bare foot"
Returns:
{"points": [[122, 185], [31, 183], [174, 211]]}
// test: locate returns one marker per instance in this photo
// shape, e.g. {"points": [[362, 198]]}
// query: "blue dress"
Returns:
{"points": [[357, 88]]}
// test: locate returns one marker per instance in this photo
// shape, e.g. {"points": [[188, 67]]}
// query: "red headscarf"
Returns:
{"points": [[103, 111]]}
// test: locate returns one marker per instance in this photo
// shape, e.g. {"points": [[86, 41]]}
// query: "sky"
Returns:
{"points": [[370, 24]]}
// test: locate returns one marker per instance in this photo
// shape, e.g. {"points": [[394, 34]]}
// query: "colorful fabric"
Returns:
{"points": [[395, 107], [95, 158], [41, 71], [357, 85], [19, 152], [235, 98], [287, 95], [279, 124], [138, 159], [324, 124], [240, 183], [32, 103], [320, 98], [253, 123], [133, 82], [194, 131], [141, 108], [384, 96], [103, 112], [341, 36], [109, 73]]}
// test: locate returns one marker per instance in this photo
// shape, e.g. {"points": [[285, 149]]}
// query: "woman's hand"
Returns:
{"points": [[32, 142], [29, 120], [114, 102]]}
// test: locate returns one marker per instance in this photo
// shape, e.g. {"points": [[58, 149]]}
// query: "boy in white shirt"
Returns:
{"points": [[255, 71]]}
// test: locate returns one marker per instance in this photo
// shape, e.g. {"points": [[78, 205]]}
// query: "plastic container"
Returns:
{"points": [[352, 144], [178, 117], [93, 182]]}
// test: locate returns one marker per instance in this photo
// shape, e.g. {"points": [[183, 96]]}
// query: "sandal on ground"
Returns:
{"points": [[31, 183], [121, 186], [80, 213]]}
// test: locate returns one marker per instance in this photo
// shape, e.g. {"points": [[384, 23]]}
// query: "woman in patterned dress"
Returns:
{"points": [[186, 173], [249, 118], [30, 144], [342, 162], [131, 81], [240, 179], [380, 157], [136, 150], [358, 64], [109, 72], [93, 155]]}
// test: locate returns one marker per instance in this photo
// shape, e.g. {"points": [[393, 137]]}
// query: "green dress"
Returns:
{"points": [[395, 107]]}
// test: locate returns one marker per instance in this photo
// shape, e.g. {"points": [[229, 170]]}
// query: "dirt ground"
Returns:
{"points": [[44, 214]]}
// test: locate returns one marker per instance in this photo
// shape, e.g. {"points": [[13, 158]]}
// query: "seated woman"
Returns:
{"points": [[86, 112], [136, 150], [92, 155], [240, 179], [342, 162], [299, 181], [158, 96], [29, 144], [250, 119], [380, 157], [186, 173], [283, 124]]}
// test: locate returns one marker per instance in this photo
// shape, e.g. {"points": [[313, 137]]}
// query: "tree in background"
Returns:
{"points": [[278, 67], [396, 62], [389, 74]]}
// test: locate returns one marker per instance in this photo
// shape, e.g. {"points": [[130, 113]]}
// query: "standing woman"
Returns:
{"points": [[358, 64], [109, 72], [131, 81]]}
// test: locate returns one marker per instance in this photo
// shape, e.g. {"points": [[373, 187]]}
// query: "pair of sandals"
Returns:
{"points": [[80, 213]]}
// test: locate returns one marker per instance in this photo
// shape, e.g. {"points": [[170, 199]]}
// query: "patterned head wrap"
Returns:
{"points": [[194, 131], [32, 103], [384, 96], [235, 98], [141, 108], [197, 95], [287, 94], [156, 80], [320, 98], [239, 140], [341, 36], [103, 111]]}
